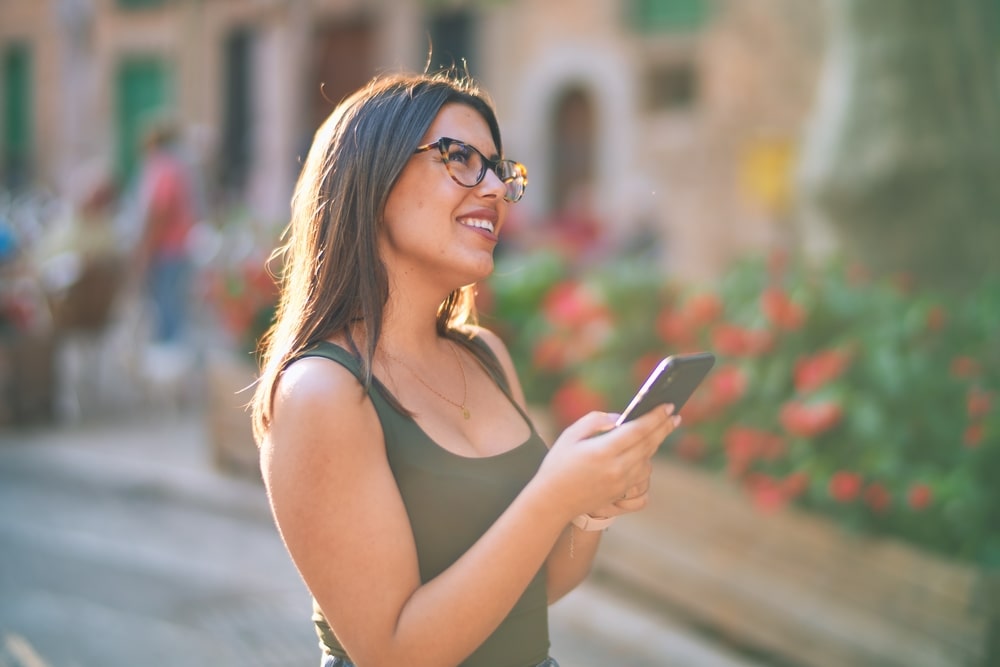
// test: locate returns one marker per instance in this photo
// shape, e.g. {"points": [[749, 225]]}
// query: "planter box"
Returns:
{"points": [[793, 585], [229, 429]]}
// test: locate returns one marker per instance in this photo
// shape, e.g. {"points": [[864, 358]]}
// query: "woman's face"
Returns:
{"points": [[436, 230]]}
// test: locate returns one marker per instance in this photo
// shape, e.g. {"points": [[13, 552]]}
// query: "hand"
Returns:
{"points": [[595, 465], [635, 498]]}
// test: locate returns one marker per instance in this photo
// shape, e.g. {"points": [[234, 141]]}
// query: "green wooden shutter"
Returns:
{"points": [[18, 131], [668, 15]]}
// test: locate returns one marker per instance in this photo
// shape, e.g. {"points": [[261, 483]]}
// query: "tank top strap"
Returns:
{"points": [[500, 378], [328, 350]]}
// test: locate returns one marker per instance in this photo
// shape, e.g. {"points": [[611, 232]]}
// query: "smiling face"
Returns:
{"points": [[436, 230]]}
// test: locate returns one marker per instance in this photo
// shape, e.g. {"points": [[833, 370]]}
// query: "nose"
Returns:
{"points": [[491, 185]]}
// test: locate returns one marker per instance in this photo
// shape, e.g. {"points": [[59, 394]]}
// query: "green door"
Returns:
{"points": [[143, 91]]}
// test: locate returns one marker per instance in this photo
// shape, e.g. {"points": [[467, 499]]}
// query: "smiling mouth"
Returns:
{"points": [[479, 224]]}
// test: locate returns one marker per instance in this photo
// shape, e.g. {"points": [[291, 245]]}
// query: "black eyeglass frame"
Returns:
{"points": [[516, 172]]}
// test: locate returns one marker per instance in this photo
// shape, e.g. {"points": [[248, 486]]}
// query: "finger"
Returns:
{"points": [[633, 504], [591, 424], [656, 426]]}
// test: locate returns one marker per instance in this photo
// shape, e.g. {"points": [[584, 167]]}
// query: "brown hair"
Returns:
{"points": [[332, 277]]}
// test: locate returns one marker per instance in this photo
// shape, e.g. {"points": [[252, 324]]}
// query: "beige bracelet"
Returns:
{"points": [[588, 523]]}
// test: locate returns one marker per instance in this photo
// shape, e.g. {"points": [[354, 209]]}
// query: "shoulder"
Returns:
{"points": [[316, 380], [320, 408]]}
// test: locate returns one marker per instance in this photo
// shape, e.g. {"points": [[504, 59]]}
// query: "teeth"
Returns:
{"points": [[481, 224]]}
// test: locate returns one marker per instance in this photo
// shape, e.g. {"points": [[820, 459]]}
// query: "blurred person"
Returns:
{"points": [[80, 259], [430, 521], [167, 211]]}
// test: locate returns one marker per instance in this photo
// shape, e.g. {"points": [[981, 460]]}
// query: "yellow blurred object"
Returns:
{"points": [[765, 172]]}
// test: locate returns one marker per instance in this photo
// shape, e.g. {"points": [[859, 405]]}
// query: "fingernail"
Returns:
{"points": [[670, 408], [677, 421]]}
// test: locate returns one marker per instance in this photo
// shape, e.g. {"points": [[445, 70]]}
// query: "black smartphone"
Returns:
{"points": [[672, 381]]}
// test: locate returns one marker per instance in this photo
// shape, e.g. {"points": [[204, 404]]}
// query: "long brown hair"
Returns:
{"points": [[332, 277]]}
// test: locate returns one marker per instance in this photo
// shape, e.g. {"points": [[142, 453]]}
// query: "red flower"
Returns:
{"points": [[978, 403], [808, 421], [845, 486], [691, 446], [858, 275], [877, 497], [549, 354], [936, 318], [703, 309], [743, 444], [964, 368], [674, 329], [741, 449], [813, 372], [781, 310], [735, 341], [796, 483], [768, 493], [727, 385], [575, 399], [920, 496], [973, 436], [570, 304], [903, 282]]}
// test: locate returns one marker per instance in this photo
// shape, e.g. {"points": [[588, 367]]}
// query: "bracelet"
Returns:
{"points": [[588, 523]]}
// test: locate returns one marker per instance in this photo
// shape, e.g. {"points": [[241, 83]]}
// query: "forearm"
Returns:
{"points": [[473, 596], [570, 561]]}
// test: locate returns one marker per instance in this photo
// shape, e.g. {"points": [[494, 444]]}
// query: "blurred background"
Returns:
{"points": [[809, 189]]}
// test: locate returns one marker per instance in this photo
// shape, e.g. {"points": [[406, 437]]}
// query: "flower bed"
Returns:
{"points": [[830, 498], [864, 401]]}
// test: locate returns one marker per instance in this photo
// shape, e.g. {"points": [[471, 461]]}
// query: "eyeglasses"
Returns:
{"points": [[467, 167]]}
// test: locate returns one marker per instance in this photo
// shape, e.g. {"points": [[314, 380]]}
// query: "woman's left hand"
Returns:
{"points": [[635, 498]]}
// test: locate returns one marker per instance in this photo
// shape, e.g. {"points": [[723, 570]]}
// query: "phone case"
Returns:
{"points": [[672, 381]]}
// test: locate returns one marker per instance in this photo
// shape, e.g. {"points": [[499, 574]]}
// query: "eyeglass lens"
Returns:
{"points": [[468, 166]]}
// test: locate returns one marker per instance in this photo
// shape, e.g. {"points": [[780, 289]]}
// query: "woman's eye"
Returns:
{"points": [[460, 154]]}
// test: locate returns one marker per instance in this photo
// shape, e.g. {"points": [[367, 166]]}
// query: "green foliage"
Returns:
{"points": [[864, 400]]}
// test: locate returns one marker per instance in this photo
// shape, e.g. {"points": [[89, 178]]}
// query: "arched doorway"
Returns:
{"points": [[572, 163]]}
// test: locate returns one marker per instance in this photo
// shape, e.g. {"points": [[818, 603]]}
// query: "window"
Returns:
{"points": [[670, 86], [141, 4], [651, 16], [17, 114], [237, 126], [451, 39], [574, 130]]}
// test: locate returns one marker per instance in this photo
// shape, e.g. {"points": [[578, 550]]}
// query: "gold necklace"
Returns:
{"points": [[465, 388]]}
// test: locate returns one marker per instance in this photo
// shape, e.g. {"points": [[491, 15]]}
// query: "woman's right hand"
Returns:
{"points": [[594, 464]]}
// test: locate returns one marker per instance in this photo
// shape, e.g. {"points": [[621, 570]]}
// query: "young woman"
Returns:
{"points": [[430, 522]]}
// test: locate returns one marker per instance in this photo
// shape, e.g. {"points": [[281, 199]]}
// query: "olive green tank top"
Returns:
{"points": [[451, 501]]}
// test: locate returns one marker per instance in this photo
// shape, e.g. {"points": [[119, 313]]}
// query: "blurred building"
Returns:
{"points": [[673, 120]]}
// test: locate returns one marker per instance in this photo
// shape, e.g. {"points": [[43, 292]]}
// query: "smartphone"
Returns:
{"points": [[672, 381]]}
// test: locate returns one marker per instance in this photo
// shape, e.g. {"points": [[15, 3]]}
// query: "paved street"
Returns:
{"points": [[122, 545]]}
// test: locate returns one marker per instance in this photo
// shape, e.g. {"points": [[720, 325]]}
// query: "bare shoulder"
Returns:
{"points": [[320, 409]]}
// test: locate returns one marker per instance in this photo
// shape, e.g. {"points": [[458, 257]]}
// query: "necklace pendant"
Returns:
{"points": [[465, 412]]}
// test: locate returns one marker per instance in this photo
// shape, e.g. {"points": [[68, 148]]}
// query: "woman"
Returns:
{"points": [[427, 517]]}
